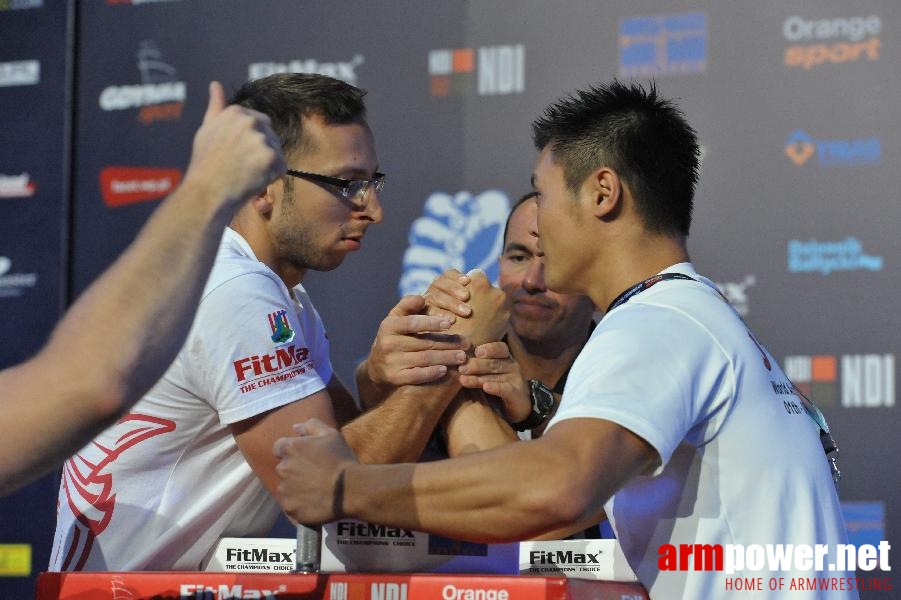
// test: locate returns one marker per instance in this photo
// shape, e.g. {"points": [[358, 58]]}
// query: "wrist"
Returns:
{"points": [[543, 402]]}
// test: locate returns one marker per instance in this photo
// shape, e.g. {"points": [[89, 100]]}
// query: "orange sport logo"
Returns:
{"points": [[831, 41]]}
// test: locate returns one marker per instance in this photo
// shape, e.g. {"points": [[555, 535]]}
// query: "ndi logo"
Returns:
{"points": [[463, 232], [827, 257], [674, 44], [800, 147], [851, 380], [495, 70]]}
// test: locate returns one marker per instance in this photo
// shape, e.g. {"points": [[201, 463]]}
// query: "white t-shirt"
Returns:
{"points": [[157, 490], [741, 460]]}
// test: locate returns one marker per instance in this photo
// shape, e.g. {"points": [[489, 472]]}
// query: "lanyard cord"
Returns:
{"points": [[645, 285]]}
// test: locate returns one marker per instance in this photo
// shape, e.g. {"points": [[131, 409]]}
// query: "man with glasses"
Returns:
{"points": [[192, 462]]}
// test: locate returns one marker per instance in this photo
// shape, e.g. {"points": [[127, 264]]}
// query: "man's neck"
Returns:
{"points": [[258, 240], [633, 265]]}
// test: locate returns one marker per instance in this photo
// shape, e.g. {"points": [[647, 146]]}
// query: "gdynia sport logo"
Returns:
{"points": [[783, 566]]}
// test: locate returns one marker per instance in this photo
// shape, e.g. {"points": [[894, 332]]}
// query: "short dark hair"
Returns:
{"points": [[288, 97], [522, 200], [643, 137]]}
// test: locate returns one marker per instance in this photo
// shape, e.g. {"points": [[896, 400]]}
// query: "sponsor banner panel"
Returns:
{"points": [[355, 546], [223, 586]]}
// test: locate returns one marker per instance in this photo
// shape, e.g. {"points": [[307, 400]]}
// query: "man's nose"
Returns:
{"points": [[372, 207], [534, 278]]}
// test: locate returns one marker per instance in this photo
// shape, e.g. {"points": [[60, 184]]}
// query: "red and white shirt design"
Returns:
{"points": [[157, 490]]}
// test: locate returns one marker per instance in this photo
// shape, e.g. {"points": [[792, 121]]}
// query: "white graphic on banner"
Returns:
{"points": [[20, 72], [462, 232], [736, 292], [14, 284], [345, 71]]}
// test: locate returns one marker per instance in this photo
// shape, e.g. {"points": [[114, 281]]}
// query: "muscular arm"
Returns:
{"points": [[254, 436], [410, 346], [470, 424], [126, 328], [513, 492], [398, 428]]}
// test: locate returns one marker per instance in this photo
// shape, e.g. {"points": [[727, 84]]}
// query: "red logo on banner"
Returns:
{"points": [[128, 185]]}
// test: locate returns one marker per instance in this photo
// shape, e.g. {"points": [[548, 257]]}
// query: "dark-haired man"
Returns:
{"points": [[192, 462], [529, 367], [673, 418]]}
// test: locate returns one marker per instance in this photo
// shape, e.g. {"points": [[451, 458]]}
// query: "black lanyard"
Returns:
{"points": [[644, 285]]}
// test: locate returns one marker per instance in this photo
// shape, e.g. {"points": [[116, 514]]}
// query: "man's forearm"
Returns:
{"points": [[470, 424], [116, 340], [398, 428], [369, 393], [492, 496]]}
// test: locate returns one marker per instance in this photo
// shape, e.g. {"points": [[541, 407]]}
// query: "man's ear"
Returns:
{"points": [[606, 192], [264, 202]]}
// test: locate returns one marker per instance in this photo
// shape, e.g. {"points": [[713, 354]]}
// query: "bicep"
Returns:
{"points": [[255, 436]]}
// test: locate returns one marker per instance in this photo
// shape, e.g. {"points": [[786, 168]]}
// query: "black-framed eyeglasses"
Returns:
{"points": [[352, 189]]}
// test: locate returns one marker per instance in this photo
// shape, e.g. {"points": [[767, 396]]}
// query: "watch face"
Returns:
{"points": [[542, 396]]}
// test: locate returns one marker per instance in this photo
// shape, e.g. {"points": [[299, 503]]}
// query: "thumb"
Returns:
{"points": [[408, 305], [217, 101]]}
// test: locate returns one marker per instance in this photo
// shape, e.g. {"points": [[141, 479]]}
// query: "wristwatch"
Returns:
{"points": [[542, 404]]}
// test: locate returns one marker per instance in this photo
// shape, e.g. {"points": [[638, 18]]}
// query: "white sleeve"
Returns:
{"points": [[651, 370], [249, 349]]}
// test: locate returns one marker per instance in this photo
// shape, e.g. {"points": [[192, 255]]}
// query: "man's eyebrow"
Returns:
{"points": [[354, 171], [516, 247]]}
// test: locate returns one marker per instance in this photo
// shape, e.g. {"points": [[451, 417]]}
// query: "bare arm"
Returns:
{"points": [[516, 491], [344, 406], [254, 436], [127, 327], [471, 424], [409, 347], [398, 428]]}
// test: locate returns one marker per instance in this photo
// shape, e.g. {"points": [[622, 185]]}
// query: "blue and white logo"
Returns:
{"points": [[812, 256], [463, 232], [665, 44]]}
